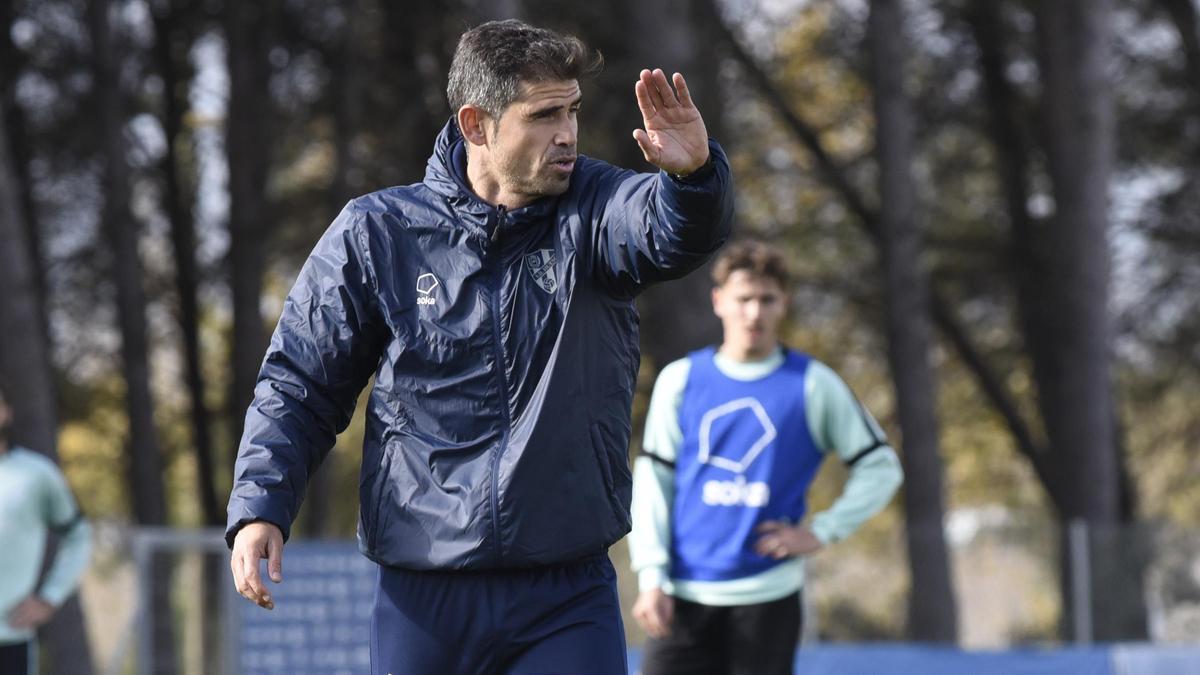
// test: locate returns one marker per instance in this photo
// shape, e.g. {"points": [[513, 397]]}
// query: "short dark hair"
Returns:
{"points": [[494, 58], [754, 257]]}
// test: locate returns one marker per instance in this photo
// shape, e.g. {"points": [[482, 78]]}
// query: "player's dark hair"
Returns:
{"points": [[754, 257], [494, 58]]}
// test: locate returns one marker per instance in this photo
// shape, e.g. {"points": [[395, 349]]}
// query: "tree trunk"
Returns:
{"points": [[12, 61], [1075, 388], [1078, 130], [247, 145], [932, 612], [1040, 301], [170, 51], [25, 368], [677, 316], [145, 459], [171, 54], [1183, 16], [1028, 268], [24, 357], [414, 41]]}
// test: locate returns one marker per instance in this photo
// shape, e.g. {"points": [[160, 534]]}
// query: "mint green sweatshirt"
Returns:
{"points": [[34, 500], [839, 425]]}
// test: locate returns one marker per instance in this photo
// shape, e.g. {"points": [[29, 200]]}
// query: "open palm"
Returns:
{"points": [[674, 138]]}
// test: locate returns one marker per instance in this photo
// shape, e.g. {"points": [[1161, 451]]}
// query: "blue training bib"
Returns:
{"points": [[747, 456]]}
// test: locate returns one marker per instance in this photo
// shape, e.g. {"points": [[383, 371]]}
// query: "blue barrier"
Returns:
{"points": [[876, 659], [322, 626], [905, 660]]}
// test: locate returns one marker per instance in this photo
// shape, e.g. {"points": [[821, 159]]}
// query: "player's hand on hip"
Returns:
{"points": [[783, 540], [254, 542], [30, 613], [673, 138], [654, 611]]}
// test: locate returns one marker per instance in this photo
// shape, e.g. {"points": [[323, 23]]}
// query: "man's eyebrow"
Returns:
{"points": [[555, 108]]}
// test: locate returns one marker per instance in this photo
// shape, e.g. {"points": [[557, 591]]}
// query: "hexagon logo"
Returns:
{"points": [[751, 453], [426, 283]]}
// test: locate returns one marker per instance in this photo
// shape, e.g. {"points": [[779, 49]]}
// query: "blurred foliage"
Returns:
{"points": [[835, 310], [393, 64]]}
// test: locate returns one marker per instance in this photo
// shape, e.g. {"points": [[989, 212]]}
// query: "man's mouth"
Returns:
{"points": [[565, 164]]}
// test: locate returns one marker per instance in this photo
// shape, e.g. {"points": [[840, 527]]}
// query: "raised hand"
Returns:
{"points": [[674, 138]]}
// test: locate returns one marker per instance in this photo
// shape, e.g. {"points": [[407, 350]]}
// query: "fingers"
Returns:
{"points": [[654, 626], [685, 94], [250, 585], [244, 565], [31, 612], [654, 93], [654, 611], [649, 150], [275, 558], [768, 526], [645, 619], [644, 100], [652, 621], [663, 88], [19, 618], [772, 546]]}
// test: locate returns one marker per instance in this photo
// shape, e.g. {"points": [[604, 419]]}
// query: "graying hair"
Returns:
{"points": [[494, 58]]}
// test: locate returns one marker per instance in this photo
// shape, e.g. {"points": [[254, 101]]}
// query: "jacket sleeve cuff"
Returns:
{"points": [[824, 531], [699, 175], [254, 510], [55, 596], [651, 578]]}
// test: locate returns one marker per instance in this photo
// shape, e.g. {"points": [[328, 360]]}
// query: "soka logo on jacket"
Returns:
{"points": [[541, 267], [739, 491], [426, 284]]}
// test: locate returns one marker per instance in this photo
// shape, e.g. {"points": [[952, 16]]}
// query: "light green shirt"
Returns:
{"points": [[35, 499], [838, 424]]}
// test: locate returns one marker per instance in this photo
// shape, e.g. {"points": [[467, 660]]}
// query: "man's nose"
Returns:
{"points": [[566, 134]]}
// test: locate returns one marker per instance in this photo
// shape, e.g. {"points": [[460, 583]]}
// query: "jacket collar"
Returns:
{"points": [[446, 174]]}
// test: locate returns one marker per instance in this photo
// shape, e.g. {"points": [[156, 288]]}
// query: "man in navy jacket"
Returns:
{"points": [[493, 303]]}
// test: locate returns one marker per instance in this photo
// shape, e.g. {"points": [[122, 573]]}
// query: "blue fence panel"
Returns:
{"points": [[905, 660], [1142, 659], [321, 624], [916, 660]]}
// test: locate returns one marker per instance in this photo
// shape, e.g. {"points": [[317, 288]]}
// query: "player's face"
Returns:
{"points": [[750, 307], [532, 148], [5, 420]]}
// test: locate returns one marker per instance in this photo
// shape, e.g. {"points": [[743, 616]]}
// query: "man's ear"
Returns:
{"points": [[716, 299], [472, 122]]}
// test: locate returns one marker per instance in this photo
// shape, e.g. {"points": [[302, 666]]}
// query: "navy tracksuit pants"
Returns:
{"points": [[556, 620]]}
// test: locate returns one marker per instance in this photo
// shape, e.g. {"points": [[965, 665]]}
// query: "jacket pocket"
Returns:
{"points": [[373, 494], [615, 473]]}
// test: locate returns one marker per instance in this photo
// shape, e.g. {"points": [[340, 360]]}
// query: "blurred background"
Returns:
{"points": [[990, 207]]}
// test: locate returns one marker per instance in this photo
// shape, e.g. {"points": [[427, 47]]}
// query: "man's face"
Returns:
{"points": [[750, 307], [532, 147], [5, 420]]}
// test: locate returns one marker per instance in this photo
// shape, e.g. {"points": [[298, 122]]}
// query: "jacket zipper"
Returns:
{"points": [[501, 367]]}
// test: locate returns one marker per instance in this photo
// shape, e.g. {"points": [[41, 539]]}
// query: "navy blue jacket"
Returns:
{"points": [[504, 348]]}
